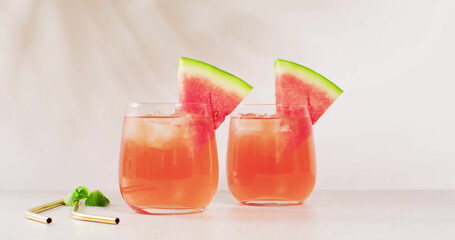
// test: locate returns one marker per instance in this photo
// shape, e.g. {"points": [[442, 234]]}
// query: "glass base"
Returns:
{"points": [[166, 211], [271, 203]]}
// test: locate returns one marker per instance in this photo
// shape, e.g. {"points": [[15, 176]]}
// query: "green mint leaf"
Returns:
{"points": [[77, 194], [69, 199], [97, 198], [80, 193]]}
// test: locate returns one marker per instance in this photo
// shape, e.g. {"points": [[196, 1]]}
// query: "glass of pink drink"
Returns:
{"points": [[271, 156], [168, 158]]}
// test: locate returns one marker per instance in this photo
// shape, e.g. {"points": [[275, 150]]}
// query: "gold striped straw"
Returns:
{"points": [[92, 218], [32, 213]]}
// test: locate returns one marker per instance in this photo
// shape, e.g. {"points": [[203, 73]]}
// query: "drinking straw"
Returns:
{"points": [[92, 218], [32, 213]]}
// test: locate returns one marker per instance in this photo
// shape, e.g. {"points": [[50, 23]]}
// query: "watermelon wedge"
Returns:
{"points": [[297, 84], [200, 82]]}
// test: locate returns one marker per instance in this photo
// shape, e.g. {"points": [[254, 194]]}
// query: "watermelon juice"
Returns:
{"points": [[271, 158], [168, 163]]}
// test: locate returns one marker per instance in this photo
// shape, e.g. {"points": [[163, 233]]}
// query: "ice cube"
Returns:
{"points": [[134, 129], [249, 125], [163, 133], [285, 128], [260, 126]]}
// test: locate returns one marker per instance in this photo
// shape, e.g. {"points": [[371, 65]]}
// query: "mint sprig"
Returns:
{"points": [[95, 198]]}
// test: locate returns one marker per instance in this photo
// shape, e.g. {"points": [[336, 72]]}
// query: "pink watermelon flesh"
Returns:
{"points": [[203, 83], [296, 84]]}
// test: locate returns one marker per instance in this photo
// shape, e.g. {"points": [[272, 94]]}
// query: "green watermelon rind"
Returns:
{"points": [[310, 76], [217, 76]]}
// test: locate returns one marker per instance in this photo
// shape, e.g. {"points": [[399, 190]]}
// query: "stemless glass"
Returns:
{"points": [[168, 158], [271, 157]]}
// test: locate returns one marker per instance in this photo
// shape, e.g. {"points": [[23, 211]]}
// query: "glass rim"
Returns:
{"points": [[273, 104], [166, 109], [136, 104], [293, 110]]}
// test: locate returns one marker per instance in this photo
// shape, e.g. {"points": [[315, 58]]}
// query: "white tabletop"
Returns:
{"points": [[325, 215]]}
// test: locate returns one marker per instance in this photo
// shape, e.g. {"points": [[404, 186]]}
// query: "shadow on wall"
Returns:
{"points": [[209, 28]]}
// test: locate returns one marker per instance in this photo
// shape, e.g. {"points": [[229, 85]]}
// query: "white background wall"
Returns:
{"points": [[67, 69]]}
